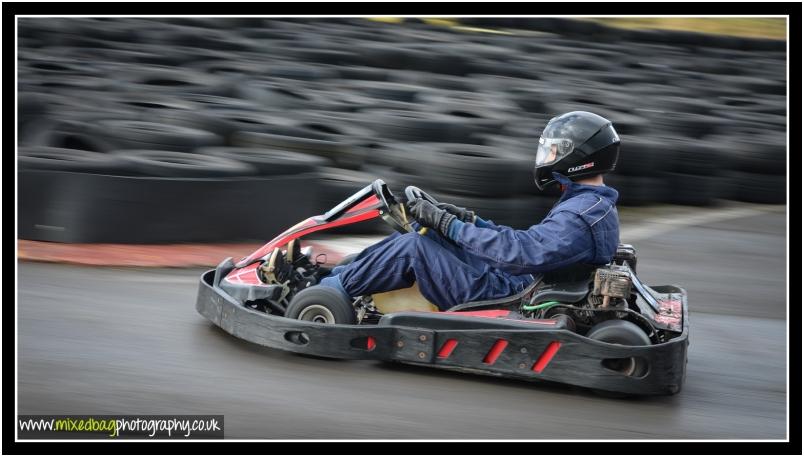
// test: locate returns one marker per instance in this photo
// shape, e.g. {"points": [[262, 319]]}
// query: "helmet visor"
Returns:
{"points": [[552, 150]]}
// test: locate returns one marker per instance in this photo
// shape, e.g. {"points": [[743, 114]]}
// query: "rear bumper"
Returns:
{"points": [[556, 355]]}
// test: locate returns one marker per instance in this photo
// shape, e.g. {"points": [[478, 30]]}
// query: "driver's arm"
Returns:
{"points": [[487, 224], [559, 240]]}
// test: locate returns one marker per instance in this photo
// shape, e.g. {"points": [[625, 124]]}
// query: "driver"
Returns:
{"points": [[465, 258]]}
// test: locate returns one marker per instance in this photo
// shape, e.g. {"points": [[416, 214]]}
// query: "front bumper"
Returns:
{"points": [[537, 355]]}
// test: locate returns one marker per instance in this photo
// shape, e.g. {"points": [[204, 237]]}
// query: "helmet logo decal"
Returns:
{"points": [[581, 167]]}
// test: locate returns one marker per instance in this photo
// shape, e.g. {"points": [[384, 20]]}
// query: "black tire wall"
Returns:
{"points": [[74, 207], [157, 130]]}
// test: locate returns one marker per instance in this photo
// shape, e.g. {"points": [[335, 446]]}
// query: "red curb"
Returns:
{"points": [[147, 255]]}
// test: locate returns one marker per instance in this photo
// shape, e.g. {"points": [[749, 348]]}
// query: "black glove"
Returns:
{"points": [[463, 214], [429, 215]]}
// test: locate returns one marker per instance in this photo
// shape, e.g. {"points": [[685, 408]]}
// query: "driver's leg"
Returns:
{"points": [[378, 245], [431, 234], [443, 278]]}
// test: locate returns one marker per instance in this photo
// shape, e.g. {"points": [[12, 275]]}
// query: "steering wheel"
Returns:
{"points": [[394, 210], [413, 193]]}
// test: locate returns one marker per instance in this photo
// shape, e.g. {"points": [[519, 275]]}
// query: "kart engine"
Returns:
{"points": [[611, 282]]}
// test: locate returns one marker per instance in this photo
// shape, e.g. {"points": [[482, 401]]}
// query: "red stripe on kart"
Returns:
{"points": [[495, 351], [546, 356], [447, 348], [364, 204], [370, 343]]}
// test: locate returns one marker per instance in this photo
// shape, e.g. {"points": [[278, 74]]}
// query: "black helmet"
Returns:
{"points": [[575, 144]]}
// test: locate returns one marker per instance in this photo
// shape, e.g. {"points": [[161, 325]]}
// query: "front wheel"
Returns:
{"points": [[321, 304]]}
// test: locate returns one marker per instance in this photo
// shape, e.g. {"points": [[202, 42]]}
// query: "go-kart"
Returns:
{"points": [[597, 327]]}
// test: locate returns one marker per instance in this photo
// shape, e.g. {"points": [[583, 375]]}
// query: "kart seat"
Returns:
{"points": [[496, 302], [564, 292], [566, 285]]}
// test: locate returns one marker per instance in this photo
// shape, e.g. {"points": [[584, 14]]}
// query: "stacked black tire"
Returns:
{"points": [[200, 129]]}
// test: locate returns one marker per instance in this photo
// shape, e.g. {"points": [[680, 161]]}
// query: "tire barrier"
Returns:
{"points": [[181, 164], [756, 187], [74, 207], [334, 185], [210, 115], [125, 134], [61, 159], [267, 162], [469, 169]]}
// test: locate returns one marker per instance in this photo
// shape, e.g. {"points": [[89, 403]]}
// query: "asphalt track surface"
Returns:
{"points": [[128, 341]]}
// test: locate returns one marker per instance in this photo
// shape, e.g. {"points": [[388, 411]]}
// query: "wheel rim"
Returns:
{"points": [[317, 313]]}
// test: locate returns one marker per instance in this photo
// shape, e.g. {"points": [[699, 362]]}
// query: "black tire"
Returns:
{"points": [[695, 158], [766, 154], [643, 156], [147, 102], [687, 124], [396, 181], [300, 71], [522, 175], [216, 102], [416, 126], [311, 143], [181, 164], [191, 118], [67, 134], [345, 151], [228, 121], [693, 190], [636, 190], [127, 134], [277, 96], [765, 121], [756, 188], [364, 73], [350, 152], [470, 170], [625, 333], [60, 159], [269, 161], [678, 104], [387, 90], [31, 105], [321, 304], [158, 79], [430, 80]]}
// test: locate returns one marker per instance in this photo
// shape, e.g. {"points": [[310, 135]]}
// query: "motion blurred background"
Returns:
{"points": [[219, 129], [199, 130]]}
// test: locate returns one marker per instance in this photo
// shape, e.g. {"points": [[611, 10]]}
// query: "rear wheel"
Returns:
{"points": [[624, 333], [321, 304]]}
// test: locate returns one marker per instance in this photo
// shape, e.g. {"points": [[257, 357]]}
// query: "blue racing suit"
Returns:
{"points": [[483, 261]]}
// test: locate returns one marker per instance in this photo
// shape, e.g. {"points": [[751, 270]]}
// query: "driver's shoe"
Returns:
{"points": [[276, 270]]}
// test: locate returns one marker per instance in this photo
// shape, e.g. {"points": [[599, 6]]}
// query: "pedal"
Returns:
{"points": [[276, 270]]}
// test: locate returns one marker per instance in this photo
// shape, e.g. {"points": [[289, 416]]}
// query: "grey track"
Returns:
{"points": [[128, 341]]}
